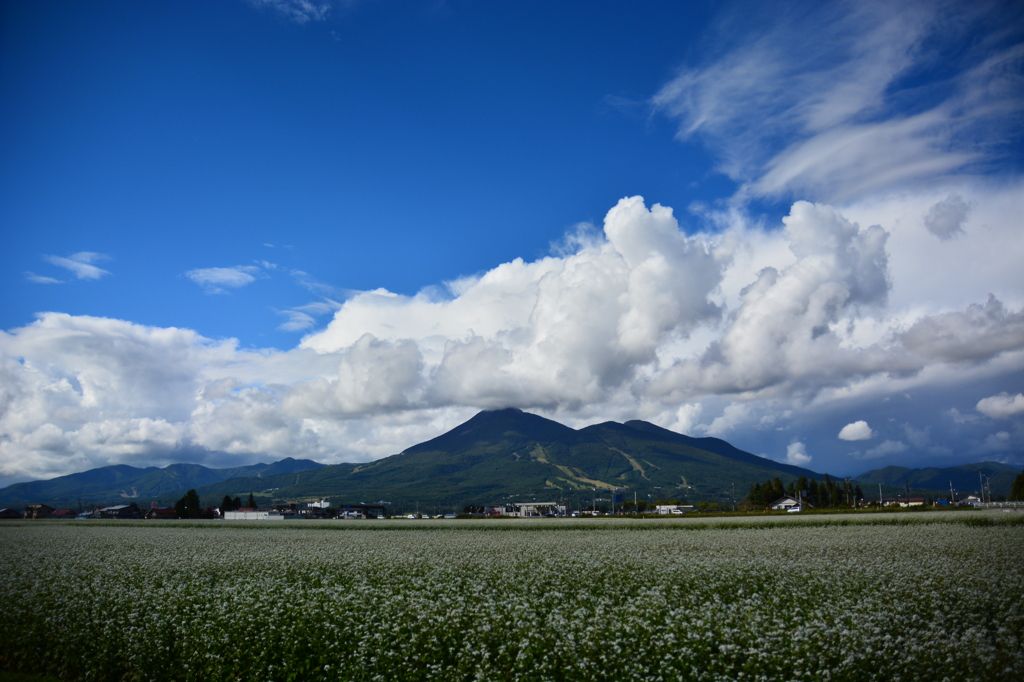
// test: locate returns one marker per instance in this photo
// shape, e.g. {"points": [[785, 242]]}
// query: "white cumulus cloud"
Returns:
{"points": [[858, 430], [796, 454], [1002, 405], [735, 333]]}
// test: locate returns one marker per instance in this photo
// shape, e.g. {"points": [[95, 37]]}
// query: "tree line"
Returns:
{"points": [[827, 493], [189, 507]]}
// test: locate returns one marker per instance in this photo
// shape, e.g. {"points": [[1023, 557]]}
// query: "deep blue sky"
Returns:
{"points": [[237, 230], [395, 145]]}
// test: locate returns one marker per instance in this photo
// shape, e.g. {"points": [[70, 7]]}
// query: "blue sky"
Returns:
{"points": [[241, 230]]}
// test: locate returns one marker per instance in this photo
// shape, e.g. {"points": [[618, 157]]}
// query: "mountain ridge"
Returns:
{"points": [[123, 482], [496, 456]]}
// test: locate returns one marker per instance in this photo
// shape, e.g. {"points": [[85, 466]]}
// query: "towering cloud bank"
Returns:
{"points": [[747, 327]]}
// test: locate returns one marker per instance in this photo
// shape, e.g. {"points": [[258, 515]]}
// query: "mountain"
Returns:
{"points": [[510, 455], [497, 456], [121, 483], [964, 478]]}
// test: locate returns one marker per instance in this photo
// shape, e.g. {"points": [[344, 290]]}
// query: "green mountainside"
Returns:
{"points": [[509, 455], [964, 479], [121, 483], [498, 456]]}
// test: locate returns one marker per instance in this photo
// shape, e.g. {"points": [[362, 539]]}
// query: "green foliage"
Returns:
{"points": [[1017, 489], [188, 507]]}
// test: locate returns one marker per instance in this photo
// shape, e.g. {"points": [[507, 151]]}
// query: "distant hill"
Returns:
{"points": [[510, 455], [964, 478], [121, 483]]}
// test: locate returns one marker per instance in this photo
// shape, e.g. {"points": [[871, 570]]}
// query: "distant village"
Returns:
{"points": [[233, 509]]}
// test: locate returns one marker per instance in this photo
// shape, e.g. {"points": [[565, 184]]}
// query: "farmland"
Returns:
{"points": [[885, 597]]}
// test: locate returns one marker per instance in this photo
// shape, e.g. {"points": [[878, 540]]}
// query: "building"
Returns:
{"points": [[10, 514], [535, 510], [162, 513], [362, 511], [785, 503], [37, 511], [62, 514], [253, 515], [673, 508], [121, 511]]}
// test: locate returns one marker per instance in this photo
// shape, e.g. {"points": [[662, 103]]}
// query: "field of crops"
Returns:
{"points": [[906, 597]]}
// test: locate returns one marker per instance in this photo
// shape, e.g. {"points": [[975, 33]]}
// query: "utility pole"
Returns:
{"points": [[881, 500], [981, 488]]}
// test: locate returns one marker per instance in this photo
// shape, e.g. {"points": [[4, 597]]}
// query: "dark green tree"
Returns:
{"points": [[812, 492], [252, 502], [188, 506], [227, 504], [1017, 489]]}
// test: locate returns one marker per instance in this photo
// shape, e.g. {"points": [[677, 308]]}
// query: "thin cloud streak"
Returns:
{"points": [[81, 264], [815, 106]]}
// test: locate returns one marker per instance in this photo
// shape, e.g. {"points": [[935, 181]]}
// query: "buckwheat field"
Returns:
{"points": [[901, 597]]}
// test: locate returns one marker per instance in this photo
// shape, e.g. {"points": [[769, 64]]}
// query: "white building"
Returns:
{"points": [[253, 515], [673, 508], [785, 503], [527, 510]]}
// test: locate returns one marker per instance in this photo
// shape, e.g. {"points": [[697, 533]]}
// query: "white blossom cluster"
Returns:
{"points": [[646, 600]]}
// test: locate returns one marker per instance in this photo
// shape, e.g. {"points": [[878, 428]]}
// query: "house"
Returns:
{"points": [[37, 511], [62, 514], [10, 514], [911, 501], [787, 502], [162, 513], [121, 511]]}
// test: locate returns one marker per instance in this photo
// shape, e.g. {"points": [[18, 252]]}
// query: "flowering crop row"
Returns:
{"points": [[514, 601]]}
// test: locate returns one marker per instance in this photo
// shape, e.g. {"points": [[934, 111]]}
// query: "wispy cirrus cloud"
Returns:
{"points": [[213, 280], [299, 11], [828, 104], [80, 264], [303, 317], [39, 279]]}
